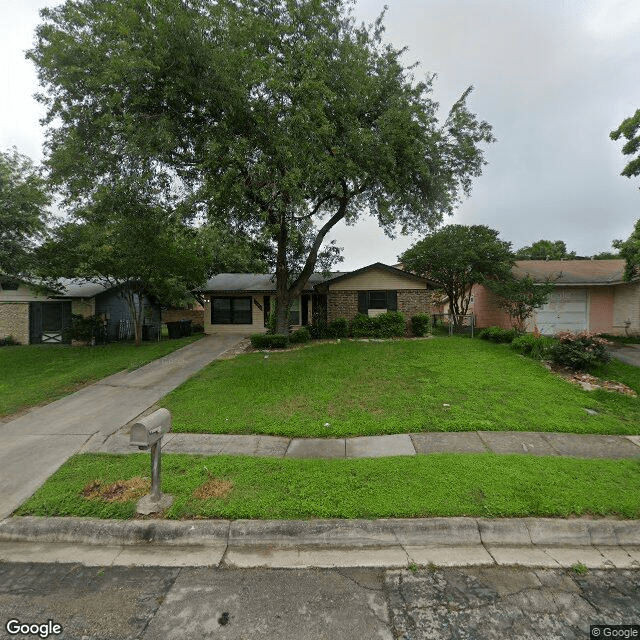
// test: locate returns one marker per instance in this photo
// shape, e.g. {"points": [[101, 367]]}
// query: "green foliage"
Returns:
{"points": [[421, 324], [579, 351], [83, 328], [270, 341], [580, 569], [545, 250], [300, 336], [338, 328], [319, 329], [630, 129], [362, 326], [520, 296], [499, 335], [536, 347], [456, 257], [387, 325], [621, 339], [396, 386], [478, 485], [630, 251], [8, 341], [24, 199], [36, 373], [273, 116]]}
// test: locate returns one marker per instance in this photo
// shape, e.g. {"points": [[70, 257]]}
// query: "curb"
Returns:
{"points": [[243, 534]]}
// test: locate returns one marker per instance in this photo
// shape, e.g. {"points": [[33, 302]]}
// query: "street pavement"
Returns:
{"points": [[434, 603]]}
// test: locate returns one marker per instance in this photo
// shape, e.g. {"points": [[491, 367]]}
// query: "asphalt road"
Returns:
{"points": [[117, 603]]}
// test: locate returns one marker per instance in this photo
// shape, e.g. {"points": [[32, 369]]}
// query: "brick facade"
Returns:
{"points": [[342, 304], [14, 320], [414, 301]]}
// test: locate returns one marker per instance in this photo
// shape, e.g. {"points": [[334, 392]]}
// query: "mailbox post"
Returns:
{"points": [[147, 433]]}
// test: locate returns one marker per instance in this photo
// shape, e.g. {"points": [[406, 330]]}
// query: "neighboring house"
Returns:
{"points": [[241, 302], [31, 316], [589, 295]]}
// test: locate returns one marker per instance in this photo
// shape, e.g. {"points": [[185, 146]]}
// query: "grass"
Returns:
{"points": [[33, 374], [480, 485], [366, 388]]}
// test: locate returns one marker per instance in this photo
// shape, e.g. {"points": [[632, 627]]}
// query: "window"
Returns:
{"points": [[294, 312], [377, 300], [231, 311]]}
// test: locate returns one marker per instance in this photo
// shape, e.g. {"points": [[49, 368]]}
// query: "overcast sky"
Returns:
{"points": [[553, 78]]}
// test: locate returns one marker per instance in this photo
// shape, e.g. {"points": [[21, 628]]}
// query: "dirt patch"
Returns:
{"points": [[589, 382], [213, 488], [119, 491]]}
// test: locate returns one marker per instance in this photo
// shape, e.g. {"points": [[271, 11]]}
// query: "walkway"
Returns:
{"points": [[35, 444], [406, 444], [629, 353]]}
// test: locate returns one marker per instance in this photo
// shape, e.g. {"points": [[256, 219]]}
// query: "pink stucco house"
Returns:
{"points": [[589, 295]]}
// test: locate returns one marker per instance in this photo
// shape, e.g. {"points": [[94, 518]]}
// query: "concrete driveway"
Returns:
{"points": [[35, 444], [629, 353]]}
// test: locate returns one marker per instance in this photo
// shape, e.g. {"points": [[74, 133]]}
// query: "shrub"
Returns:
{"points": [[421, 324], [83, 328], [581, 351], [8, 341], [389, 325], [533, 346], [300, 336], [318, 330], [269, 340], [362, 326], [338, 328], [197, 328], [496, 334]]}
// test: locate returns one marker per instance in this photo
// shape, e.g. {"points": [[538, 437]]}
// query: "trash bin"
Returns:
{"points": [[174, 329], [149, 332], [185, 328]]}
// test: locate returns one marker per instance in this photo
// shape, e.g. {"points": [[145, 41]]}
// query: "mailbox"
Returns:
{"points": [[149, 430]]}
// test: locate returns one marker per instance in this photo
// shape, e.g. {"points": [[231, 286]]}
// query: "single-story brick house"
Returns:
{"points": [[30, 315], [241, 302], [589, 295]]}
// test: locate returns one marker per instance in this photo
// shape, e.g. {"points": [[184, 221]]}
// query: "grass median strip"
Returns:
{"points": [[401, 386], [234, 487], [37, 373]]}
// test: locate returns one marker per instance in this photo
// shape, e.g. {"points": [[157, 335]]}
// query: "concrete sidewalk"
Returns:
{"points": [[404, 444], [35, 444]]}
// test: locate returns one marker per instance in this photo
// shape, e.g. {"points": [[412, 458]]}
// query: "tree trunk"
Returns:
{"points": [[138, 321], [282, 279]]}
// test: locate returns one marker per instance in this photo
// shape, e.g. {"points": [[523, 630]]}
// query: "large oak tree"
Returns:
{"points": [[280, 118]]}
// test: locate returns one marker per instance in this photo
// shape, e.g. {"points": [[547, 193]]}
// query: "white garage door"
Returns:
{"points": [[566, 310]]}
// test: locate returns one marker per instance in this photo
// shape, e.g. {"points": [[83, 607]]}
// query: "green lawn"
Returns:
{"points": [[486, 485], [33, 374], [364, 388]]}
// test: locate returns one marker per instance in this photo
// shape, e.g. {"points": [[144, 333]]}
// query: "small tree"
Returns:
{"points": [[630, 251], [630, 129], [23, 203], [520, 296], [129, 237], [456, 258]]}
